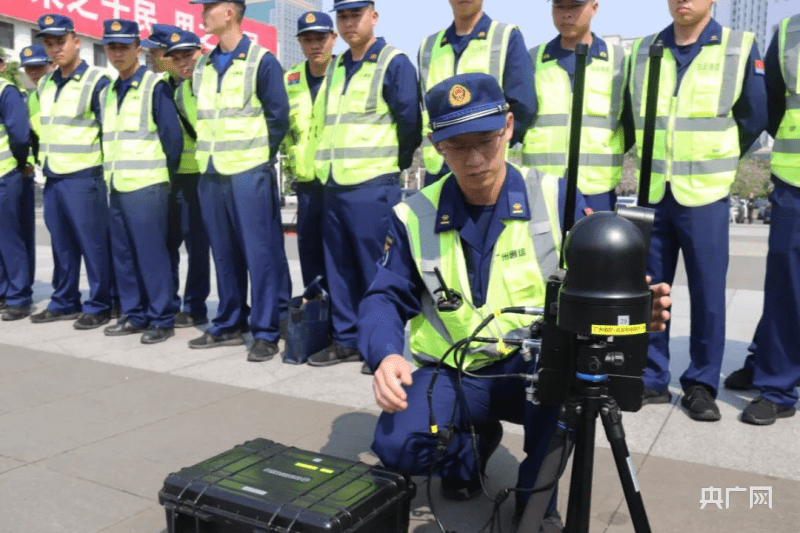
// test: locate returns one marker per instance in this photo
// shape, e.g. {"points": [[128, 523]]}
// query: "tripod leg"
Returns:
{"points": [[611, 415], [580, 486]]}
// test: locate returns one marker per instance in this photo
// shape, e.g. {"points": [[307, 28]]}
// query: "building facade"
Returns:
{"points": [[750, 15], [284, 17]]}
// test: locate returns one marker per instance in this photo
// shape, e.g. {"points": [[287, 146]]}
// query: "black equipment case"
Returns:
{"points": [[264, 487]]}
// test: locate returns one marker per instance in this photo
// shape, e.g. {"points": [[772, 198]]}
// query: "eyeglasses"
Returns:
{"points": [[485, 147]]}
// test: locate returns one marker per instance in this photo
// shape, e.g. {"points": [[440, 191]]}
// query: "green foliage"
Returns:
{"points": [[752, 176], [12, 72]]}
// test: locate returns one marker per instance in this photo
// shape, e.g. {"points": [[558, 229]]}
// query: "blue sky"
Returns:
{"points": [[404, 23]]}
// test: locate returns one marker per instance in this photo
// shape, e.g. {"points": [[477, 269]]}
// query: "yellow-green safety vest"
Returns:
{"points": [[602, 147], [786, 150], [7, 160], [525, 255], [187, 108], [69, 139], [230, 121], [485, 54], [134, 157], [35, 116], [299, 145], [696, 139], [357, 136]]}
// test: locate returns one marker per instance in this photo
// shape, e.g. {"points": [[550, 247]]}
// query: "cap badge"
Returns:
{"points": [[28, 52], [48, 20], [116, 26], [310, 18], [175, 38], [459, 96]]}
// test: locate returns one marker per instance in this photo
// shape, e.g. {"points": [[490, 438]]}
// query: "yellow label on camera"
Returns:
{"points": [[635, 329]]}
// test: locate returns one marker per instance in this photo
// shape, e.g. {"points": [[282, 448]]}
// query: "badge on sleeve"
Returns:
{"points": [[387, 247], [759, 67]]}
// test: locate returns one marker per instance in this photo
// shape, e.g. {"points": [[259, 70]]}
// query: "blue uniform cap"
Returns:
{"points": [[182, 40], [314, 22], [466, 103], [33, 55], [120, 31], [52, 24], [339, 5], [159, 36]]}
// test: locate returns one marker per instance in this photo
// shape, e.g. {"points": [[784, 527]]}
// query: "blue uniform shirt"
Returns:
{"points": [[598, 51], [381, 322], [750, 111], [314, 82], [517, 76], [401, 95], [61, 81], [776, 86], [269, 90], [165, 115], [14, 116]]}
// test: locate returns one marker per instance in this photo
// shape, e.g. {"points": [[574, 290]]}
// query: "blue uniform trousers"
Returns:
{"points": [[186, 227], [776, 360], [242, 217], [404, 442], [139, 231], [76, 214], [355, 223], [702, 234], [17, 247], [606, 201], [310, 195]]}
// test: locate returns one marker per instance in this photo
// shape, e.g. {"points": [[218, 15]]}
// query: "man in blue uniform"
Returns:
{"points": [[242, 117], [75, 195], [476, 43], [316, 37], [369, 125], [185, 221], [467, 225], [142, 144], [17, 248], [773, 368]]}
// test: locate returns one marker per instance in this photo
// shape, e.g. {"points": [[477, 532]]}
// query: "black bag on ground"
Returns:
{"points": [[309, 324]]}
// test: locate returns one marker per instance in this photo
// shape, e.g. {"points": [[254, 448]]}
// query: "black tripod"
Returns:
{"points": [[579, 416]]}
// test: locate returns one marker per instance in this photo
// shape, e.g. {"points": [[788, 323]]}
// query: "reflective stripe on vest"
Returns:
{"points": [[185, 103], [358, 139], [134, 157], [437, 62], [34, 112], [299, 142], [516, 278], [786, 150], [7, 160], [230, 121], [696, 139], [69, 139], [602, 146]]}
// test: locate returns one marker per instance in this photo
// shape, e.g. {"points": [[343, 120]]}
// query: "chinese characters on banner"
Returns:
{"points": [[713, 496], [88, 16]]}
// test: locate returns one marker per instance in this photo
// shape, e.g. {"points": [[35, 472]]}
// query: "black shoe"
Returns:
{"points": [[261, 351], [366, 370], [115, 312], [334, 354], [741, 379], [52, 316], [701, 405], [188, 320], [3, 304], [122, 327], [91, 321], [651, 397], [763, 412], [211, 341], [491, 433], [156, 334], [15, 312]]}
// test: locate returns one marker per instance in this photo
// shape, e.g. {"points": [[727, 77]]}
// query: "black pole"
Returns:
{"points": [[651, 106], [576, 120]]}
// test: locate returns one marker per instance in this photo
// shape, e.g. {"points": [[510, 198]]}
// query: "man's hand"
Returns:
{"points": [[661, 303], [29, 171], [393, 372]]}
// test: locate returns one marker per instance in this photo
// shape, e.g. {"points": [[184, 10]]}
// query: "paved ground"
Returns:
{"points": [[91, 426]]}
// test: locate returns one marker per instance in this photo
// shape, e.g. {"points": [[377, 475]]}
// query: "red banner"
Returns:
{"points": [[88, 16]]}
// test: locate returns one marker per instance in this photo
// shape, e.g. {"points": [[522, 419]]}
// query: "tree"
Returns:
{"points": [[11, 72], [752, 176]]}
